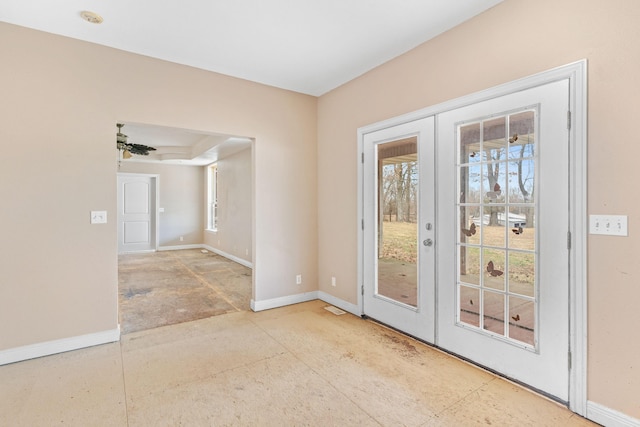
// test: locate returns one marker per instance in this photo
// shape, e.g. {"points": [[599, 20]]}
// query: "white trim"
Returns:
{"points": [[283, 301], [577, 74], [341, 304], [179, 247], [574, 70], [48, 348], [305, 297], [233, 258], [609, 417]]}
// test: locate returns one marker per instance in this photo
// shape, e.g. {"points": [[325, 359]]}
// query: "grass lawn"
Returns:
{"points": [[400, 242]]}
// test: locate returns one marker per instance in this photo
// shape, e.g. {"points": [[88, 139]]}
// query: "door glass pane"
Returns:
{"points": [[522, 275], [521, 231], [470, 265], [521, 319], [496, 233], [521, 180], [494, 228], [470, 306], [397, 213], [470, 143], [493, 309], [494, 139], [470, 225], [494, 182], [494, 262], [470, 179], [521, 135]]}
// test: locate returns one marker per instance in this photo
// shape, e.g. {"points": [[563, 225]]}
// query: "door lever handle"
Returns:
{"points": [[428, 242]]}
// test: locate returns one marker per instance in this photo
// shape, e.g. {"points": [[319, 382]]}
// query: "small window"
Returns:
{"points": [[212, 204]]}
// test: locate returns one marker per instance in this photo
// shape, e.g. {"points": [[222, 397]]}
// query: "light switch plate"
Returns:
{"points": [[98, 217], [612, 225]]}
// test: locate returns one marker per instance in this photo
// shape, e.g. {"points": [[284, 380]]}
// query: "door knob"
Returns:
{"points": [[428, 242]]}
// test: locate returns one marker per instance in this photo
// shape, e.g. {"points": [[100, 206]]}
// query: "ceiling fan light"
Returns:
{"points": [[126, 154]]}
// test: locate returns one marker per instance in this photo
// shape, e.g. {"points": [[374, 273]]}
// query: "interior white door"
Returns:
{"points": [[503, 256], [136, 213], [398, 254]]}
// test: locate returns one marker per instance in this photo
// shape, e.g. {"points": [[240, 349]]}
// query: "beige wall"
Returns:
{"points": [[513, 40], [181, 188], [60, 101], [233, 235]]}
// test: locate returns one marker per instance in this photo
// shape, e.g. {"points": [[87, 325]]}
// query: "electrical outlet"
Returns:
{"points": [[299, 279], [613, 225], [182, 238], [98, 217], [333, 281]]}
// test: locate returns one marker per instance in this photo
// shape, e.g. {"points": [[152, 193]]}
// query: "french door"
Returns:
{"points": [[399, 256], [480, 196], [503, 294]]}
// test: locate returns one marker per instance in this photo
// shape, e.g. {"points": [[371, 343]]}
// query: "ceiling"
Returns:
{"points": [[180, 146], [306, 46]]}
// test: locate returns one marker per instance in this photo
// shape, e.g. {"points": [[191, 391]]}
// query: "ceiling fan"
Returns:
{"points": [[127, 148]]}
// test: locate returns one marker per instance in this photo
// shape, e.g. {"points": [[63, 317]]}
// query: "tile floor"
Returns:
{"points": [[291, 366]]}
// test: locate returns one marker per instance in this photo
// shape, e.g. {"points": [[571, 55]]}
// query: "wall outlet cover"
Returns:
{"points": [[98, 217], [612, 225]]}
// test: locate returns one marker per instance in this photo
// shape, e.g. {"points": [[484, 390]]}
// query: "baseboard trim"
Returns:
{"points": [[307, 296], [609, 417], [144, 251], [48, 348], [228, 256], [341, 304], [210, 249], [283, 301], [178, 247]]}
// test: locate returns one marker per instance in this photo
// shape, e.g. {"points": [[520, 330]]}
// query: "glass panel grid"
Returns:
{"points": [[496, 233]]}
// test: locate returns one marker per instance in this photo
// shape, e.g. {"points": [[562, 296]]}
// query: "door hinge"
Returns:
{"points": [[362, 224], [362, 158], [362, 290], [569, 240], [569, 120], [569, 359]]}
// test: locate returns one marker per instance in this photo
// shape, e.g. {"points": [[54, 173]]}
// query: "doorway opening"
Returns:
{"points": [[191, 270]]}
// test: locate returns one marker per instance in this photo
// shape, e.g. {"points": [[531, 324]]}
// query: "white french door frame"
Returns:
{"points": [[576, 73]]}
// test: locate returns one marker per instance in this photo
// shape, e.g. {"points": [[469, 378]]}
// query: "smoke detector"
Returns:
{"points": [[92, 17]]}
